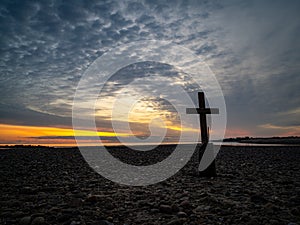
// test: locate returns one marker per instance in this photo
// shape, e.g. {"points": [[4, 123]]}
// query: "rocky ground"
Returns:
{"points": [[255, 185]]}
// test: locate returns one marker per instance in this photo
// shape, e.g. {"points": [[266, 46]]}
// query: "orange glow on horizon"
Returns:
{"points": [[46, 136], [236, 132], [18, 134], [36, 135], [35, 131]]}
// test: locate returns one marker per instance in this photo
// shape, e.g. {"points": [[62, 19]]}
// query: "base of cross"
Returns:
{"points": [[210, 171], [207, 165]]}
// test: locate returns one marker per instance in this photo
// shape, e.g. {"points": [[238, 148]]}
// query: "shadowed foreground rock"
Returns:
{"points": [[256, 185]]}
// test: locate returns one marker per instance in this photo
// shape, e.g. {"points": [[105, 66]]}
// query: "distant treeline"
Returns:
{"points": [[265, 140], [25, 146]]}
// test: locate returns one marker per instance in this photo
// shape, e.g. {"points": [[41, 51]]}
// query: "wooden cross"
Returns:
{"points": [[202, 111]]}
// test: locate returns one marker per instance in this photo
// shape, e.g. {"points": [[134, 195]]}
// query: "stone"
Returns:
{"points": [[104, 222], [103, 199], [93, 198], [165, 209], [27, 191], [274, 222], [181, 214], [176, 222], [185, 204], [75, 223], [38, 221], [110, 219], [252, 221], [17, 214], [153, 211], [175, 208], [295, 211], [258, 199], [75, 202], [62, 217], [25, 220]]}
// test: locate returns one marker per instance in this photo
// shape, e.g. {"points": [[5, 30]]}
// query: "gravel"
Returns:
{"points": [[255, 185]]}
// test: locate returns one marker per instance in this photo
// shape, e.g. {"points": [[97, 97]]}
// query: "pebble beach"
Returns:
{"points": [[255, 185]]}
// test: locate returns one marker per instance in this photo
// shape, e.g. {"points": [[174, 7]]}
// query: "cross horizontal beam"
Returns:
{"points": [[202, 111]]}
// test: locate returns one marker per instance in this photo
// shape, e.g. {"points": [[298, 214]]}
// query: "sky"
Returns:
{"points": [[252, 47]]}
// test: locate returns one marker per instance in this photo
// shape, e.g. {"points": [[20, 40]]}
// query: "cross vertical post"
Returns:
{"points": [[210, 171], [203, 122]]}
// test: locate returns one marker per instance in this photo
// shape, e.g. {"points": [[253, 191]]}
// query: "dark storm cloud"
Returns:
{"points": [[146, 69], [47, 46], [27, 117], [252, 46]]}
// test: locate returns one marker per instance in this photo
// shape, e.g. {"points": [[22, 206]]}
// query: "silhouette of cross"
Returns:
{"points": [[202, 111]]}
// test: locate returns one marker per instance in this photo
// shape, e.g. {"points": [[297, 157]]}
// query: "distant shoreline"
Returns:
{"points": [[237, 141], [265, 140]]}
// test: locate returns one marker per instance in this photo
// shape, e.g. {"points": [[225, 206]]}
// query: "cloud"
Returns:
{"points": [[281, 130], [23, 116], [252, 47]]}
